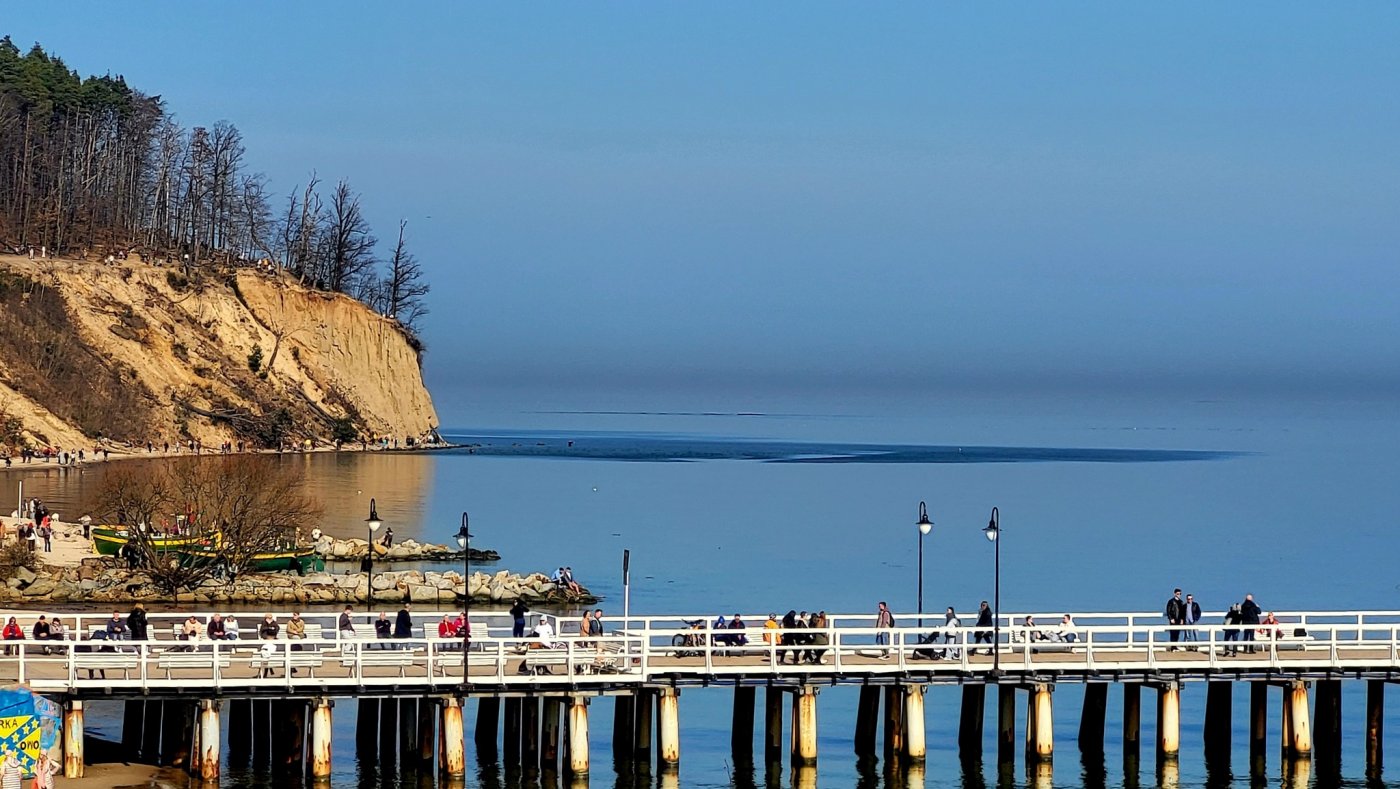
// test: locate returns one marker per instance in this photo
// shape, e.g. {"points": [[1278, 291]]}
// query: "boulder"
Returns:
{"points": [[40, 588], [23, 576], [422, 593]]}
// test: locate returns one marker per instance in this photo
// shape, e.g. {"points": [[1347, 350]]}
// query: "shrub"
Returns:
{"points": [[255, 359]]}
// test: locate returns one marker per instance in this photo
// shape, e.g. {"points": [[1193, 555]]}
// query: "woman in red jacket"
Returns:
{"points": [[12, 632]]}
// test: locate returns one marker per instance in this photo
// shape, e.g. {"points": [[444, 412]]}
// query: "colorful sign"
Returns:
{"points": [[28, 724]]}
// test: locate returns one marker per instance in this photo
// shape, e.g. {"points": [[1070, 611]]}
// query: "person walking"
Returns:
{"points": [[517, 619], [884, 622], [345, 625], [1249, 616], [1193, 615], [984, 620], [1176, 615], [403, 623]]}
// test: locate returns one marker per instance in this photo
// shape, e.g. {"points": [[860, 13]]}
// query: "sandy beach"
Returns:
{"points": [[116, 775]]}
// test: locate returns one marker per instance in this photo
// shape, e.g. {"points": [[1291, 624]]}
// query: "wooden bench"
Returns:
{"points": [[400, 659], [453, 660], [126, 662], [171, 661], [1291, 638], [542, 661], [309, 660]]}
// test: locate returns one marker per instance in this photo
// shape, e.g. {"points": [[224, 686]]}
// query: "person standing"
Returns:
{"points": [[11, 774], [1193, 615], [1249, 616], [345, 625], [44, 771], [1176, 615], [403, 623], [136, 622], [517, 618], [984, 620], [884, 622]]}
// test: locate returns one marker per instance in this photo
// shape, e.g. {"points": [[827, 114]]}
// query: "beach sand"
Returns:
{"points": [[117, 774]]}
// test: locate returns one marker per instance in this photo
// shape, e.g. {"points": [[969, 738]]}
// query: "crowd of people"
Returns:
{"points": [[1244, 622]]}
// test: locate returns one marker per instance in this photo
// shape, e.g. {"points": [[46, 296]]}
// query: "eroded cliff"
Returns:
{"points": [[133, 352]]}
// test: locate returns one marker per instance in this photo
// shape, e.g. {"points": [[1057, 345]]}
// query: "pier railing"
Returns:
{"points": [[670, 649]]}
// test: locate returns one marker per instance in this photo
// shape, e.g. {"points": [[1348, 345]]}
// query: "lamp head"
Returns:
{"points": [[993, 529], [373, 520], [463, 537], [925, 525]]}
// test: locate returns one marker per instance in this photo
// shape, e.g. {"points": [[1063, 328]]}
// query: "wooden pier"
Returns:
{"points": [[278, 697]]}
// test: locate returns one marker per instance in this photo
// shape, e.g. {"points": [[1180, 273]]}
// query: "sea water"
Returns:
{"points": [[1104, 503]]}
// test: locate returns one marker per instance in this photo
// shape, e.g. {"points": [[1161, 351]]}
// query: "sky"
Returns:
{"points": [[772, 200]]}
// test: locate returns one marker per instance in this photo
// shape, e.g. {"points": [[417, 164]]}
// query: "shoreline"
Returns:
{"points": [[129, 453]]}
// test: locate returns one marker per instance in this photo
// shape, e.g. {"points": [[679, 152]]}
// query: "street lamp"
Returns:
{"points": [[373, 523], [993, 532], [464, 541], [925, 526]]}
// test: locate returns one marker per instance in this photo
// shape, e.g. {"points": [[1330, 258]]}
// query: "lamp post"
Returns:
{"points": [[925, 526], [372, 523], [464, 541], [993, 532]]}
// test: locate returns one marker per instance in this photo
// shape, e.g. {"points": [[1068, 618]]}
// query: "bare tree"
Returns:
{"points": [[404, 288], [347, 244]]}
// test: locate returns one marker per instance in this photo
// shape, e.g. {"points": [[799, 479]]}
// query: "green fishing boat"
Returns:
{"points": [[108, 540], [297, 560]]}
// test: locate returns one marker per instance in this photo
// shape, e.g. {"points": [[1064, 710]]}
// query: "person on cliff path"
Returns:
{"points": [[517, 617]]}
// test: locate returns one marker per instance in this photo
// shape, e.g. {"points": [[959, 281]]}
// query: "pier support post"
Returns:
{"points": [[641, 722], [741, 725], [488, 712], [1040, 724], [915, 746], [894, 725], [1299, 730], [804, 726], [262, 730], [209, 740], [321, 740], [1168, 720], [974, 702], [427, 734], [530, 734], [133, 715], [1006, 724], [549, 735], [867, 721], [152, 715], [510, 732], [388, 731], [1132, 722], [668, 710], [73, 739], [578, 735], [1091, 721], [408, 731], [366, 726], [1327, 720], [1216, 732], [1375, 725], [177, 732], [622, 739], [1258, 727], [773, 725], [452, 739]]}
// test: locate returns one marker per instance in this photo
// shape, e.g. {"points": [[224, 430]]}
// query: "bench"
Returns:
{"points": [[310, 661], [400, 659], [126, 662], [453, 660], [1291, 638], [542, 661], [171, 661]]}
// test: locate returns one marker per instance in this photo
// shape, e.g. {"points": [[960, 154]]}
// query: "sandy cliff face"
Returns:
{"points": [[135, 352]]}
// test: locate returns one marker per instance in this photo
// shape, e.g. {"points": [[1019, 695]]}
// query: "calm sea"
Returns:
{"points": [[1105, 504]]}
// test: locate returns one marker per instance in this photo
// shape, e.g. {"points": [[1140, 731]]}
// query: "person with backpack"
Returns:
{"points": [[884, 622]]}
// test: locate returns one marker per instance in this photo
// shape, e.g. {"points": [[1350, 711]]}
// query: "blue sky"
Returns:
{"points": [[789, 198]]}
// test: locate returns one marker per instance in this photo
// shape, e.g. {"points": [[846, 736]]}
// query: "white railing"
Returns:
{"points": [[650, 649]]}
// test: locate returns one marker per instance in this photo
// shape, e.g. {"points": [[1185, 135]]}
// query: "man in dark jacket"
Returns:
{"points": [[1249, 615], [403, 623], [984, 619], [136, 622], [1176, 615]]}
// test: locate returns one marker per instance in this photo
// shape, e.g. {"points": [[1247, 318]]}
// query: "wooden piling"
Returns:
{"points": [[240, 729], [73, 739], [367, 727], [1216, 732], [176, 732], [388, 731], [894, 725], [974, 702], [1006, 724], [408, 731], [427, 734], [1132, 721], [804, 726], [488, 713], [321, 739], [1375, 725], [262, 731], [867, 721], [209, 741], [293, 735], [549, 736], [510, 731], [741, 724], [622, 737], [530, 735], [668, 727], [641, 722], [1258, 727], [1168, 720], [153, 714], [773, 726], [915, 747], [133, 716], [452, 741], [1327, 720], [578, 736], [1093, 718]]}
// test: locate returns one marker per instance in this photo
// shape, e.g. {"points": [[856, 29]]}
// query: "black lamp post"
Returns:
{"points": [[372, 523], [925, 526], [464, 541], [993, 532]]}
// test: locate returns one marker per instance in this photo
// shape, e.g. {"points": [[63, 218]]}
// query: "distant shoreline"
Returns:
{"points": [[90, 460]]}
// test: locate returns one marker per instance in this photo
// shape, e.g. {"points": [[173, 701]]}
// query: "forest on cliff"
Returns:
{"points": [[95, 169]]}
